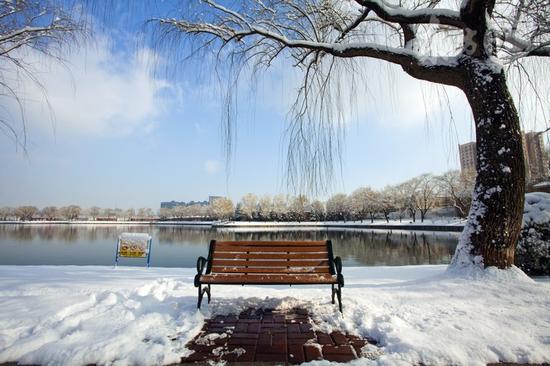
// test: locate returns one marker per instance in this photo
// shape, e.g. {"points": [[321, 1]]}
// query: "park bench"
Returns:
{"points": [[269, 263]]}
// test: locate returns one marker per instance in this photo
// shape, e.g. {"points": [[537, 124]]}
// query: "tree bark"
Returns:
{"points": [[494, 221]]}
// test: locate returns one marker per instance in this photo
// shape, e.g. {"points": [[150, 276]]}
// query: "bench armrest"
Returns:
{"points": [[338, 267], [201, 265]]}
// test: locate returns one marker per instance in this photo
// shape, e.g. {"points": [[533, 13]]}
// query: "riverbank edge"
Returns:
{"points": [[255, 225]]}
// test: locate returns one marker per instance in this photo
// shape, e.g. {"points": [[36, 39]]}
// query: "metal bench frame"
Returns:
{"points": [[335, 269]]}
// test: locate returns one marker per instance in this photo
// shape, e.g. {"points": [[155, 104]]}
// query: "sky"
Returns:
{"points": [[125, 125]]}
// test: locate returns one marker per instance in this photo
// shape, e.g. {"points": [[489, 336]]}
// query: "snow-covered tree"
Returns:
{"points": [[462, 45], [249, 206], [533, 250], [6, 212], [119, 213], [25, 213], [196, 210], [280, 207], [317, 211], [298, 208], [458, 187], [426, 194], [399, 198], [166, 213], [49, 212], [337, 207], [27, 25], [94, 212], [179, 211], [409, 190], [71, 212], [130, 213], [142, 213], [364, 202], [108, 212], [265, 207], [222, 209], [388, 202]]}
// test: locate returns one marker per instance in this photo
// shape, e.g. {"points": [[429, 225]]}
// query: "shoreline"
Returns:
{"points": [[449, 227]]}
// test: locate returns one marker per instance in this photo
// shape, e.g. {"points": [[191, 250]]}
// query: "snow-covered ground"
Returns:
{"points": [[68, 315]]}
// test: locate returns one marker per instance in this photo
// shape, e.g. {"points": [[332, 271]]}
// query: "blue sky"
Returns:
{"points": [[125, 133]]}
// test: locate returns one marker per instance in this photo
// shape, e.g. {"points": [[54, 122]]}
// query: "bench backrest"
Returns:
{"points": [[278, 257]]}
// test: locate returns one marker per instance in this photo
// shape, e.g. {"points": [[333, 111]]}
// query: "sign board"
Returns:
{"points": [[134, 245]]}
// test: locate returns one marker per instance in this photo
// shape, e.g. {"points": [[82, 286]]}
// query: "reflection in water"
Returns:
{"points": [[178, 246]]}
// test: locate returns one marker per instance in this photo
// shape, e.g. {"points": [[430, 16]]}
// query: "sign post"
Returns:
{"points": [[134, 245]]}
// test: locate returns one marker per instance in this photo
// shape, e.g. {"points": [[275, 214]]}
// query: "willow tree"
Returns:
{"points": [[26, 26], [462, 46]]}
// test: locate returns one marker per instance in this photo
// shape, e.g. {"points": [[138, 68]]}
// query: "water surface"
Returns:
{"points": [[179, 246]]}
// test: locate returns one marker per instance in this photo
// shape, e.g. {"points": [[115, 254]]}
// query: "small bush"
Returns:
{"points": [[533, 250]]}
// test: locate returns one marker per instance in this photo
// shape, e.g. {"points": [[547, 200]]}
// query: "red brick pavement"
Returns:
{"points": [[271, 336]]}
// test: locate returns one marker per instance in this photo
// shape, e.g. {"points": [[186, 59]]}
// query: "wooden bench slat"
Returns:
{"points": [[272, 263], [268, 279], [222, 269], [262, 243], [306, 249], [239, 255]]}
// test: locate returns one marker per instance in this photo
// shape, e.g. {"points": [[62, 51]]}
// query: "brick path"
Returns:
{"points": [[270, 336]]}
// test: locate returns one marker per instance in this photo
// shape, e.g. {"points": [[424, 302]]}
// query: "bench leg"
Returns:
{"points": [[338, 293], [200, 297], [202, 291]]}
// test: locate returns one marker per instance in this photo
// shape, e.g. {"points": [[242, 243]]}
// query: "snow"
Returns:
{"points": [[463, 258], [69, 315], [537, 208], [135, 236]]}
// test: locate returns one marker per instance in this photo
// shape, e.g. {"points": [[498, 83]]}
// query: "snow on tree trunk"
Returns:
{"points": [[494, 221]]}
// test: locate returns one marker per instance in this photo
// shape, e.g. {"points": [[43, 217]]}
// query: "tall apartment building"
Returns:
{"points": [[536, 157], [468, 155]]}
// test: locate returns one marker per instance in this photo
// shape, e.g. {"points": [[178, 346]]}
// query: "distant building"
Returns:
{"points": [[173, 204], [211, 199], [468, 154], [536, 157]]}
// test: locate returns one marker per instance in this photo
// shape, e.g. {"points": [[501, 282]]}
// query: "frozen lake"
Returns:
{"points": [[179, 246]]}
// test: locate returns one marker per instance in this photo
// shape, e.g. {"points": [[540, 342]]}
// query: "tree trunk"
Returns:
{"points": [[494, 221]]}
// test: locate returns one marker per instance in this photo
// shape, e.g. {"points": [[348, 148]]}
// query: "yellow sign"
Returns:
{"points": [[132, 248]]}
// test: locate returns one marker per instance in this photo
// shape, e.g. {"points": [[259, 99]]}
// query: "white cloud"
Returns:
{"points": [[98, 91], [211, 166]]}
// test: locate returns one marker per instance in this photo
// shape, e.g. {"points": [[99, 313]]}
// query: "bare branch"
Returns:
{"points": [[30, 25], [415, 16]]}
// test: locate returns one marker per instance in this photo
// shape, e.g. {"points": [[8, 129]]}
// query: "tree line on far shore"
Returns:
{"points": [[411, 199]]}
